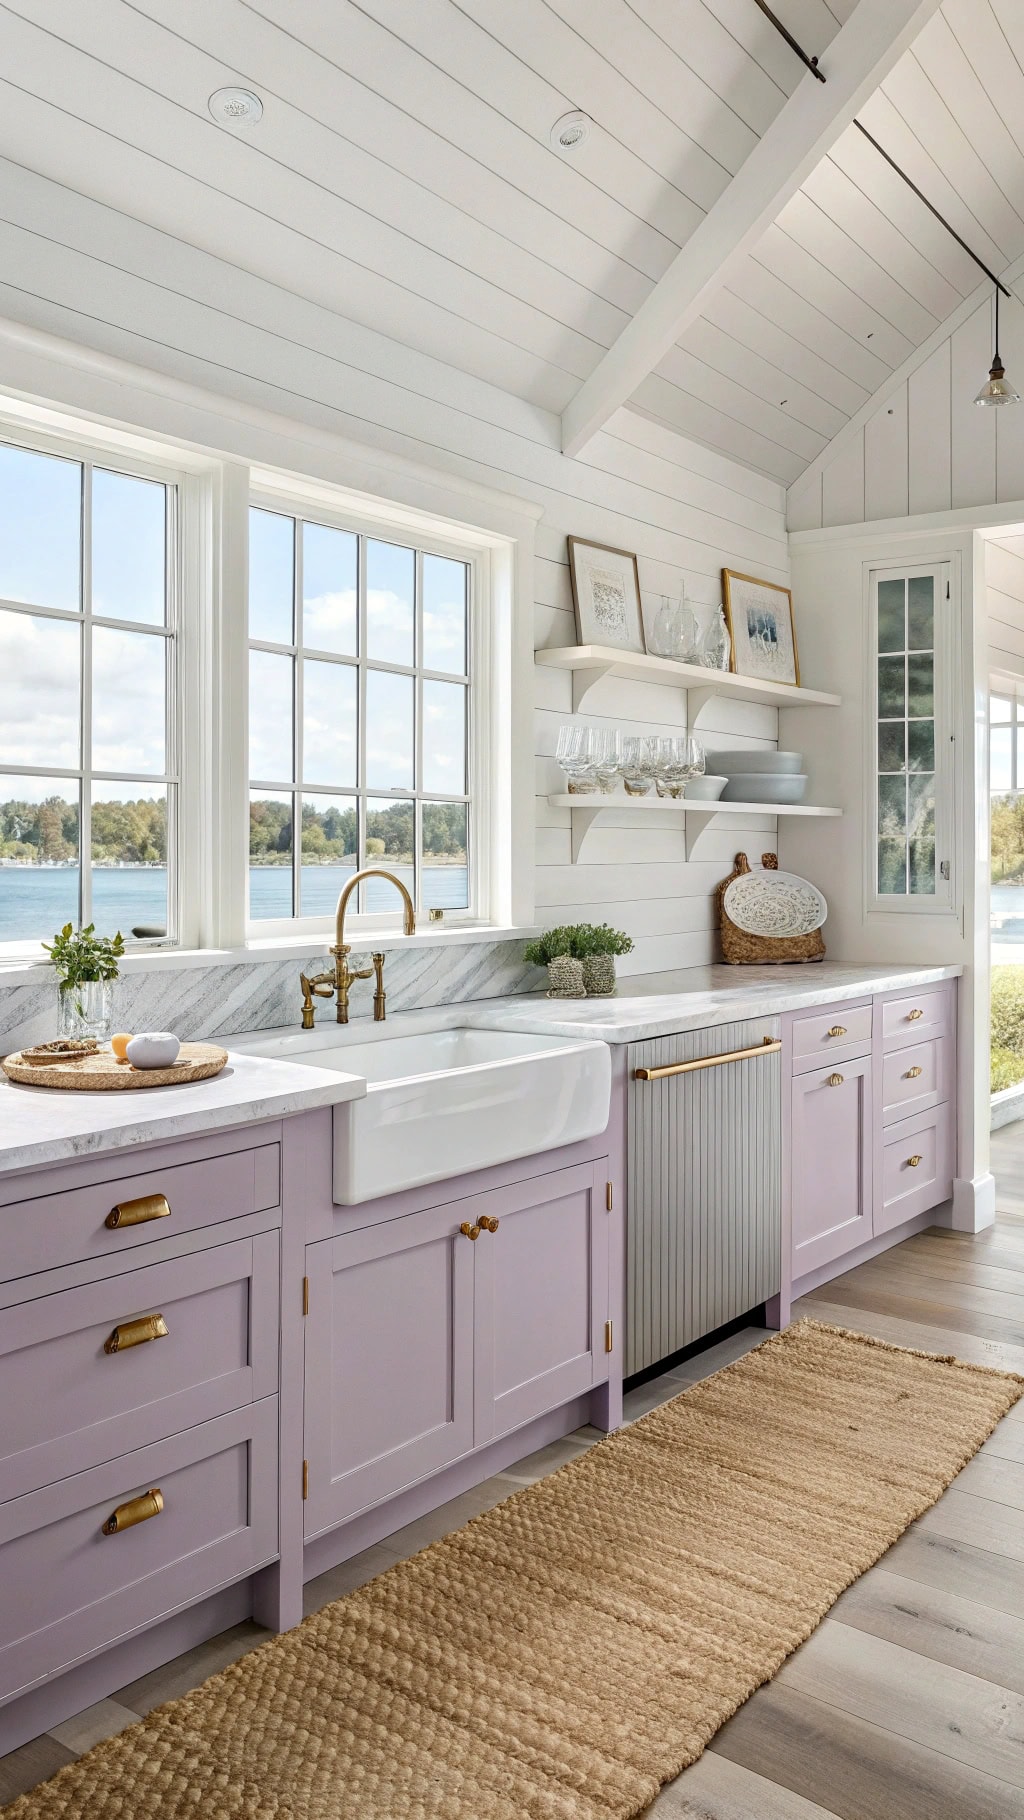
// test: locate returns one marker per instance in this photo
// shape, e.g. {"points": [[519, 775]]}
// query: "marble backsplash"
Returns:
{"points": [[227, 997]]}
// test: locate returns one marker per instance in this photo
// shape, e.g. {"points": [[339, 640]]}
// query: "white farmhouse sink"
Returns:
{"points": [[442, 1103]]}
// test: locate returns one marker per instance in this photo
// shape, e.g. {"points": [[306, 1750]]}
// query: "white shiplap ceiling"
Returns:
{"points": [[402, 178]]}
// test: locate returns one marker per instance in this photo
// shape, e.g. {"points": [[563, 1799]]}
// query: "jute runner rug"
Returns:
{"points": [[567, 1652]]}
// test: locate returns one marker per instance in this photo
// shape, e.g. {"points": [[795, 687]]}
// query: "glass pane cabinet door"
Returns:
{"points": [[908, 657]]}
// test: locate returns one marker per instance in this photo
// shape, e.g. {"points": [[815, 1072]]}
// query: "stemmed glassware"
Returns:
{"points": [[573, 755], [594, 758], [639, 763]]}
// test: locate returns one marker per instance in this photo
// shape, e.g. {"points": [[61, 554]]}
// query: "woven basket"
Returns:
{"points": [[739, 949]]}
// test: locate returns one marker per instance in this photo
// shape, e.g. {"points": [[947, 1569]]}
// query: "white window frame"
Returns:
{"points": [[316, 507], [944, 900], [180, 777]]}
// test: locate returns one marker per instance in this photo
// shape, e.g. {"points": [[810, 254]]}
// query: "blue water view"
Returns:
{"points": [[37, 900]]}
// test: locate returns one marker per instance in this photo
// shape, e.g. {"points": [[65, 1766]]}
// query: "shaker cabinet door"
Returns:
{"points": [[389, 1361], [541, 1296], [831, 1163]]}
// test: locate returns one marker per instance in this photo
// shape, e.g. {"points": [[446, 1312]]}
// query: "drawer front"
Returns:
{"points": [[909, 1186], [916, 1078], [104, 1219], [71, 1590], [80, 1384], [913, 1016], [844, 1030]]}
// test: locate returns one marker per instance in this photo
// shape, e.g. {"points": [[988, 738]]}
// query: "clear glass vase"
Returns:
{"points": [[86, 1009]]}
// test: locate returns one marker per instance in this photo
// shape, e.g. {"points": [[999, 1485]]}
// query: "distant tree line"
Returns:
{"points": [[332, 835], [1008, 840], [134, 833]]}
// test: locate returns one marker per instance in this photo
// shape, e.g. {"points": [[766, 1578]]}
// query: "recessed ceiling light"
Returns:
{"points": [[235, 106], [569, 132]]}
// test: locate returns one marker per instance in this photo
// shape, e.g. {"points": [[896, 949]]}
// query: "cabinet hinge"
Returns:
{"points": [[608, 1336], [608, 1196], [305, 1295], [305, 1478]]}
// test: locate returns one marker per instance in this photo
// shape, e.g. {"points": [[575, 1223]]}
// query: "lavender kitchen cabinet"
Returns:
{"points": [[831, 1163], [429, 1335]]}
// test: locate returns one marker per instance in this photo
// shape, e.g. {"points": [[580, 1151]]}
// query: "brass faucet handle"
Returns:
{"points": [[319, 984], [379, 994]]}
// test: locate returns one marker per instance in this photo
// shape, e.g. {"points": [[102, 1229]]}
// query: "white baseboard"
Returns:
{"points": [[974, 1203]]}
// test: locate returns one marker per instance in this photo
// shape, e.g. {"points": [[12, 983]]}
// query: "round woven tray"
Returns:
{"points": [[99, 1071]]}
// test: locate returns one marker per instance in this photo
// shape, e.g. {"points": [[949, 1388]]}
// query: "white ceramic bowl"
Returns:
{"points": [[706, 789], [761, 787], [153, 1049], [778, 763]]}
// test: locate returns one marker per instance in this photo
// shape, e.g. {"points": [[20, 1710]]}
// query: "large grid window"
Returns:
{"points": [[87, 686], [359, 718]]}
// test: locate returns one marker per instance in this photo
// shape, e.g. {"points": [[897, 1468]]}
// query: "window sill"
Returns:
{"points": [[279, 948]]}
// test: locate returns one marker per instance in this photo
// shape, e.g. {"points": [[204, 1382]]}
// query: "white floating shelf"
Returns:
{"points": [[590, 664], [695, 815]]}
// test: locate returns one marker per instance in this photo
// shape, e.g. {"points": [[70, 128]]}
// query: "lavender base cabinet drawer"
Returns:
{"points": [[74, 1390], [914, 1016], [70, 1590], [916, 1078], [845, 1030], [73, 1223], [915, 1168]]}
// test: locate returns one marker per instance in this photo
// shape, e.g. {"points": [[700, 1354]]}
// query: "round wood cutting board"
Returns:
{"points": [[100, 1070]]}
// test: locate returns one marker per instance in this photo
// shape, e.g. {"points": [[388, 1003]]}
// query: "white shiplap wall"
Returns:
{"points": [[1004, 577], [923, 445], [251, 343]]}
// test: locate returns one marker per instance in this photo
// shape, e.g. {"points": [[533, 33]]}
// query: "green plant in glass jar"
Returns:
{"points": [[86, 965]]}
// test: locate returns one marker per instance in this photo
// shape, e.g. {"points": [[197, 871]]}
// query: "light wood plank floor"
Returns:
{"points": [[908, 1701]]}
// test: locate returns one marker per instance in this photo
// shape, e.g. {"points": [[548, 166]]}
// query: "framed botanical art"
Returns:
{"points": [[605, 595], [759, 615]]}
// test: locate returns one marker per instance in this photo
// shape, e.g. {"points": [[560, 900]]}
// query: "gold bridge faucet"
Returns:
{"points": [[339, 981]]}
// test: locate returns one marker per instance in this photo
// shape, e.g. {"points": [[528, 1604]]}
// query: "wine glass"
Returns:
{"points": [[639, 763], [606, 751], [673, 765], [573, 754]]}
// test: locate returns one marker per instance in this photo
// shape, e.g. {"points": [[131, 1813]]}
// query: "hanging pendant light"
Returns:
{"points": [[997, 388]]}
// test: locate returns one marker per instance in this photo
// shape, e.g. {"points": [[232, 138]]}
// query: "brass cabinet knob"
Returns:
{"points": [[912, 1016], [838, 1030], [138, 1212], [137, 1510], [136, 1333], [488, 1223], [471, 1232], [913, 1161], [912, 1074], [835, 1080]]}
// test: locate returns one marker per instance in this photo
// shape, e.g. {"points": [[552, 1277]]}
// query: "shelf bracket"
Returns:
{"points": [[582, 821], [695, 823], [697, 699], [583, 681]]}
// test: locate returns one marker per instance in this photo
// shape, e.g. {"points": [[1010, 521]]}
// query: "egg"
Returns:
{"points": [[119, 1044], [153, 1049]]}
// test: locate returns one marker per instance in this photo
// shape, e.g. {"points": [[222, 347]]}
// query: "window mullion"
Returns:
{"points": [[361, 650], [85, 755], [298, 699]]}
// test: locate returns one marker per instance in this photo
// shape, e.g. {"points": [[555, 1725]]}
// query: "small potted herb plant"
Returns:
{"points": [[596, 946], [86, 965], [580, 959], [554, 951]]}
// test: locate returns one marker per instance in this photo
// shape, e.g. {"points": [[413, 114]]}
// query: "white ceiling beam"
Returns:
{"points": [[808, 125]]}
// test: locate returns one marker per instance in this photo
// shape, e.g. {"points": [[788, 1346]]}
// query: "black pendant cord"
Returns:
{"points": [[950, 229], [811, 62]]}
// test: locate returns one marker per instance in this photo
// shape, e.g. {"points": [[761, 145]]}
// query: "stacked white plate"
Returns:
{"points": [[762, 777]]}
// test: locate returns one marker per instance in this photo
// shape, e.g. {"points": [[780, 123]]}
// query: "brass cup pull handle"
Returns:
{"points": [[838, 1030], [912, 1074], [138, 1212], [835, 1080], [136, 1333], [137, 1510], [488, 1223], [471, 1232], [913, 1161], [912, 1016]]}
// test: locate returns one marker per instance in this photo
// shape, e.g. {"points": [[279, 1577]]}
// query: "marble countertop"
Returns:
{"points": [[658, 1004], [40, 1125]]}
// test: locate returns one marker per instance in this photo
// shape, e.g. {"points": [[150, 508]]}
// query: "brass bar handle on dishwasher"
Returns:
{"points": [[136, 1213], [707, 1061], [137, 1510], [136, 1333]]}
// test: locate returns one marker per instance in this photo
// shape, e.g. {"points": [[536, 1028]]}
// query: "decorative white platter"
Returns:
{"points": [[774, 903]]}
